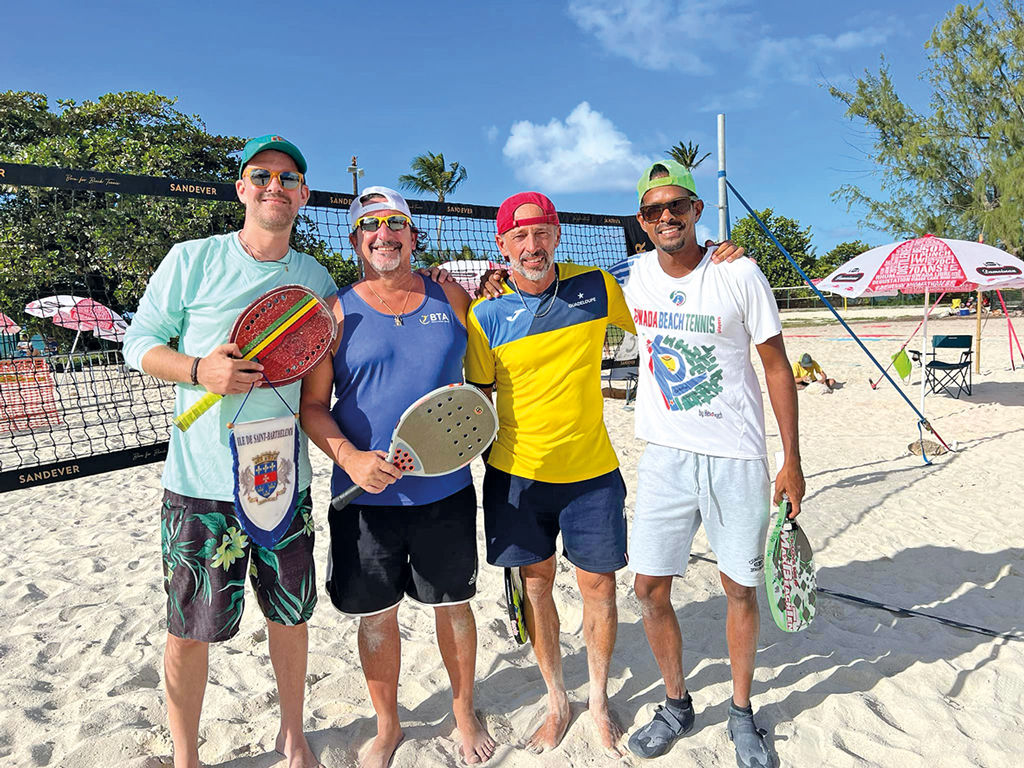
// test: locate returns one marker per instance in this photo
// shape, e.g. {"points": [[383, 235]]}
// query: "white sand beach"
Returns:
{"points": [[82, 625]]}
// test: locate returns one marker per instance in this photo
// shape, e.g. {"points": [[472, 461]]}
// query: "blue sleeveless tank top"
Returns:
{"points": [[381, 369]]}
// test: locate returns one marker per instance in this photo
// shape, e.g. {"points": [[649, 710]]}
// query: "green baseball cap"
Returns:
{"points": [[254, 146], [678, 176]]}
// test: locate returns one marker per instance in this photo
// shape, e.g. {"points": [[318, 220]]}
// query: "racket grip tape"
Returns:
{"points": [[345, 498], [189, 417]]}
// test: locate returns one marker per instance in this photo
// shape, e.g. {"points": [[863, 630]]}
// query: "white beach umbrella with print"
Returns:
{"points": [[923, 265]]}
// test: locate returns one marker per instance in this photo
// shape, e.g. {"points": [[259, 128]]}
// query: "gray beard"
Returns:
{"points": [[534, 275]]}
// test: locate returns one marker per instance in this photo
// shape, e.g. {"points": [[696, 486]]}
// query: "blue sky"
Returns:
{"points": [[572, 97]]}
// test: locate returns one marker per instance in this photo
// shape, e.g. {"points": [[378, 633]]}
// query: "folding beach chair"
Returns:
{"points": [[628, 352], [949, 375]]}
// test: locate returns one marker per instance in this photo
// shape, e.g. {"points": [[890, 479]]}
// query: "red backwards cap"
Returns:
{"points": [[507, 212]]}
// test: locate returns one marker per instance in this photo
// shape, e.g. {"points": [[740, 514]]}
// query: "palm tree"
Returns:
{"points": [[686, 155], [431, 176]]}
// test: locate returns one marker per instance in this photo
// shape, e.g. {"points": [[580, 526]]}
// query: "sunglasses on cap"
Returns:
{"points": [[261, 177], [396, 222], [678, 207]]}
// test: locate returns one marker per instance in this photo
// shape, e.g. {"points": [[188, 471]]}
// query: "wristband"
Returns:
{"points": [[195, 371]]}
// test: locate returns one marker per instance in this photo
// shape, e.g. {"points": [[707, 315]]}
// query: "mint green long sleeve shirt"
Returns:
{"points": [[195, 294]]}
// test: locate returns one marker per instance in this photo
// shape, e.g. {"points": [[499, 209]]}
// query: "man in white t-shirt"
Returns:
{"points": [[699, 407]]}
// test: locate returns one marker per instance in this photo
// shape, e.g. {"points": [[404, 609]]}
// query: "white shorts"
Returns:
{"points": [[678, 490]]}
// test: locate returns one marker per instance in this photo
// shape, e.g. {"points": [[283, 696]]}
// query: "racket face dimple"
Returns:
{"points": [[448, 429], [289, 330]]}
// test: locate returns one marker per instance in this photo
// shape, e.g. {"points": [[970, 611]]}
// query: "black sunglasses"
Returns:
{"points": [[678, 207]]}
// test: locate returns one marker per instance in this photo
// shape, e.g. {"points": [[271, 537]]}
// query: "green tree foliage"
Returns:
{"points": [[956, 169], [102, 245], [776, 267], [431, 176], [841, 254], [686, 155], [106, 245]]}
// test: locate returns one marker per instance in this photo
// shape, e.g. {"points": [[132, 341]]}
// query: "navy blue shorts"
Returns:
{"points": [[522, 519]]}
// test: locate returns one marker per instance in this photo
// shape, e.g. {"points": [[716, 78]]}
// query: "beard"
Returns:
{"points": [[535, 274], [675, 242], [385, 263], [272, 217]]}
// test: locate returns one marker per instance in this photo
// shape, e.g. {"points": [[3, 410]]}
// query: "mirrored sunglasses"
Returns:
{"points": [[396, 222], [261, 177]]}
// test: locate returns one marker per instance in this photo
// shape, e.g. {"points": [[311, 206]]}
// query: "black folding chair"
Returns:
{"points": [[948, 376]]}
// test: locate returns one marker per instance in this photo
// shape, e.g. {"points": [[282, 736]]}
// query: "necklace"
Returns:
{"points": [[550, 303], [398, 315], [252, 253]]}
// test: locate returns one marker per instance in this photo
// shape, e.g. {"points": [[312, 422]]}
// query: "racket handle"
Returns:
{"points": [[342, 500], [205, 403]]}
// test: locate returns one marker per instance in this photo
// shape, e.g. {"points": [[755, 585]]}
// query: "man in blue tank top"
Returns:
{"points": [[401, 336]]}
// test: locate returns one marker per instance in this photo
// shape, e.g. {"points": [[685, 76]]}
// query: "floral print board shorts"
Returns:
{"points": [[206, 556]]}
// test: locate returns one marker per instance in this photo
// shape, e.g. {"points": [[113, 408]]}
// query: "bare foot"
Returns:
{"points": [[382, 749], [551, 731], [477, 744], [608, 727], [297, 751]]}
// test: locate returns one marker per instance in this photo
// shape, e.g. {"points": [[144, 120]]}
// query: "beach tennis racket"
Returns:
{"points": [[789, 573], [515, 596], [288, 330], [441, 432]]}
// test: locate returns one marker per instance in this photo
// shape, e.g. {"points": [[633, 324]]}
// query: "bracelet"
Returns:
{"points": [[195, 371]]}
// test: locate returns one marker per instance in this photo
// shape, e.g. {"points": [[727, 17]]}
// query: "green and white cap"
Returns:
{"points": [[271, 141], [678, 176]]}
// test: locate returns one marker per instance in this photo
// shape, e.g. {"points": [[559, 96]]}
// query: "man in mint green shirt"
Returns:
{"points": [[195, 295]]}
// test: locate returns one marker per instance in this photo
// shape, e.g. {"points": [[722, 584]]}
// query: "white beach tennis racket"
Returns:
{"points": [[438, 434]]}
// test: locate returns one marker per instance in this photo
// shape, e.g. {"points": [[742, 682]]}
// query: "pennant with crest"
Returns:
{"points": [[265, 456]]}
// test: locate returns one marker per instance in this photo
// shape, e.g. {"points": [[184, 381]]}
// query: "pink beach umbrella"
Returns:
{"points": [[923, 265], [80, 314], [8, 326]]}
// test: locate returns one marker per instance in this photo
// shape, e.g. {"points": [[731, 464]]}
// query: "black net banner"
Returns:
{"points": [[77, 249]]}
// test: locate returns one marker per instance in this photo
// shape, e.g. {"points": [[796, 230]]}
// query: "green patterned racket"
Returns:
{"points": [[789, 573]]}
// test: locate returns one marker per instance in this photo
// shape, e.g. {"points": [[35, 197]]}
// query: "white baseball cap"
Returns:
{"points": [[392, 202]]}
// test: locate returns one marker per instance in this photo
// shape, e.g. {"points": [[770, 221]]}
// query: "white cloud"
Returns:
{"points": [[657, 34], [491, 133], [799, 59], [586, 153], [695, 36]]}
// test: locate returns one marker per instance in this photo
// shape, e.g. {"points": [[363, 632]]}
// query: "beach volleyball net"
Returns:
{"points": [[77, 249]]}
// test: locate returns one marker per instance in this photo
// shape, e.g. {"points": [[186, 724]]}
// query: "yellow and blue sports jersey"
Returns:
{"points": [[547, 373]]}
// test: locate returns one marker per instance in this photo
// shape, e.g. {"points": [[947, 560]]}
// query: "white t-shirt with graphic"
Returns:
{"points": [[698, 390]]}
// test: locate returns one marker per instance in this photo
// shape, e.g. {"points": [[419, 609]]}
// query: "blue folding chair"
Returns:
{"points": [[948, 376]]}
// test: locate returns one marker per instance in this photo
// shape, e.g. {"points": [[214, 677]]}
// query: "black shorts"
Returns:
{"points": [[380, 554], [523, 518]]}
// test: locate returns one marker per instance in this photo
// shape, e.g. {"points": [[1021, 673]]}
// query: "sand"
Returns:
{"points": [[82, 626]]}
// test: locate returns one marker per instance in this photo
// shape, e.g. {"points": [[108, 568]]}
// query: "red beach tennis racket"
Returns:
{"points": [[288, 330]]}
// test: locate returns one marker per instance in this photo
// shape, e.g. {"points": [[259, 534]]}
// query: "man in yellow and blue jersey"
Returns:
{"points": [[552, 468]]}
